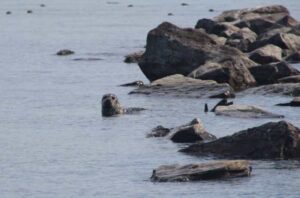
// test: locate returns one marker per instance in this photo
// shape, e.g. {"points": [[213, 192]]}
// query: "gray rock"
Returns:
{"points": [[266, 54], [179, 86], [273, 140], [293, 58], [245, 111], [205, 171], [271, 73], [65, 52], [289, 89]]}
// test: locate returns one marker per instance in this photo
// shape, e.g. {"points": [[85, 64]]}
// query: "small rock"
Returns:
{"points": [[29, 11], [267, 54], [42, 5], [8, 12], [65, 52], [205, 171], [184, 4], [130, 6], [170, 14], [211, 10]]}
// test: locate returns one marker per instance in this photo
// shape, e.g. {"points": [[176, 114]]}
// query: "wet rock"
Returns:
{"points": [[267, 54], [273, 140], [137, 83], [170, 14], [205, 171], [65, 52], [184, 4], [29, 11], [290, 89], [172, 50], [271, 73], [87, 59], [211, 10], [191, 132], [134, 57], [290, 79], [294, 103], [293, 58], [179, 86], [8, 12], [245, 111], [159, 131], [42, 5]]}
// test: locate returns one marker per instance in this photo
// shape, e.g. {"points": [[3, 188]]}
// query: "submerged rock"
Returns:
{"points": [[204, 171], [245, 111], [294, 103], [134, 57], [64, 52], [180, 86], [273, 140]]}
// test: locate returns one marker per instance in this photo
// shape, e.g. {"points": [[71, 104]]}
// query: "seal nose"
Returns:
{"points": [[108, 103]]}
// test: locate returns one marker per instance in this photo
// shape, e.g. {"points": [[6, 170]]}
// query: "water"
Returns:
{"points": [[53, 140]]}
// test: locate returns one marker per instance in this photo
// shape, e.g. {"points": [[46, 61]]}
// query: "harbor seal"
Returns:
{"points": [[111, 106]]}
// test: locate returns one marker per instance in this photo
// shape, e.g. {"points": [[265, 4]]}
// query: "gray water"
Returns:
{"points": [[53, 140]]}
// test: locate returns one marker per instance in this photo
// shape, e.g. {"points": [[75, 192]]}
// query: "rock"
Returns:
{"points": [[272, 12], [244, 34], [205, 171], [245, 111], [172, 50], [64, 52], [130, 6], [170, 14], [294, 103], [231, 71], [267, 54], [258, 25], [290, 79], [87, 59], [42, 5], [211, 10], [134, 57], [288, 21], [273, 140], [137, 83], [159, 131], [179, 86], [29, 11], [112, 107], [293, 58], [8, 12], [290, 89], [184, 4], [271, 73], [206, 24], [191, 132]]}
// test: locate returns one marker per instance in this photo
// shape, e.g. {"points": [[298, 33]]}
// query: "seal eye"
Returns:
{"points": [[113, 97]]}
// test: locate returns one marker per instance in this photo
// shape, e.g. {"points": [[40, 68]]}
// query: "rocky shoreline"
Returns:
{"points": [[239, 52]]}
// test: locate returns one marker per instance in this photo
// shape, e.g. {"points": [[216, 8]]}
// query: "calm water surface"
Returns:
{"points": [[53, 140]]}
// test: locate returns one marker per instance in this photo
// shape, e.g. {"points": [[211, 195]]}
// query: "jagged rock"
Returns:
{"points": [[267, 54], [245, 111], [179, 86], [273, 140], [269, 74], [172, 50], [204, 171], [294, 103], [134, 57], [293, 58], [290, 89]]}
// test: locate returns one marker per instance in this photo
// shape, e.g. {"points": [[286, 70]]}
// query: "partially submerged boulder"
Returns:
{"points": [[245, 111], [271, 73], [273, 140], [173, 50], [134, 57], [266, 54], [188, 133], [205, 171], [294, 103], [180, 86]]}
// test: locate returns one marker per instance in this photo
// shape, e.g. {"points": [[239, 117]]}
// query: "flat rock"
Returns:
{"points": [[205, 171], [180, 86], [290, 89], [266, 54], [245, 111], [290, 79], [273, 140]]}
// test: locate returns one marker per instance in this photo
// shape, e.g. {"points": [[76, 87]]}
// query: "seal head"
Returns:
{"points": [[111, 105]]}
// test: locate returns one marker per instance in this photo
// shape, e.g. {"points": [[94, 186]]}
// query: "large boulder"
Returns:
{"points": [[269, 74], [273, 140], [245, 111], [180, 86], [173, 50], [293, 58], [205, 171], [266, 54]]}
